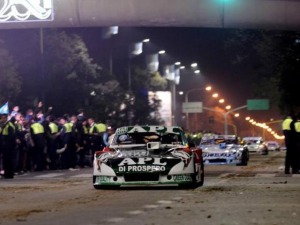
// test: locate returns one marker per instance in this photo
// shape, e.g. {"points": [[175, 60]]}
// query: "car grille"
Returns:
{"points": [[141, 177]]}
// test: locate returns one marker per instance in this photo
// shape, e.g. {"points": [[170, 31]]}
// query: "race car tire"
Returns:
{"points": [[202, 174], [195, 183], [245, 159]]}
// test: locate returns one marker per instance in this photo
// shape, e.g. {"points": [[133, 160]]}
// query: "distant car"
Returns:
{"points": [[282, 148], [273, 146], [223, 149], [255, 144], [148, 156]]}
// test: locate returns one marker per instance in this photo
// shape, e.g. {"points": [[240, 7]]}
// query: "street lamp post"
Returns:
{"points": [[173, 91], [137, 50], [227, 113], [186, 99], [271, 122]]}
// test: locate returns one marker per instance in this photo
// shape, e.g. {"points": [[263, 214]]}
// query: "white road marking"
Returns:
{"points": [[116, 220], [135, 212], [265, 175], [164, 202], [83, 175], [49, 175], [150, 206]]}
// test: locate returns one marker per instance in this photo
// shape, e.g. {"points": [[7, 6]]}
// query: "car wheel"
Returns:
{"points": [[198, 177], [245, 159], [98, 187]]}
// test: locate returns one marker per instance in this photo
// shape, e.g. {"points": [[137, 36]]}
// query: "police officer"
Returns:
{"points": [[52, 142], [289, 134], [65, 134], [296, 159], [95, 137], [38, 136], [8, 144], [82, 147]]}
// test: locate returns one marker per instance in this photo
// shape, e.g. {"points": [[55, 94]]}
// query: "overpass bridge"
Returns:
{"points": [[250, 14]]}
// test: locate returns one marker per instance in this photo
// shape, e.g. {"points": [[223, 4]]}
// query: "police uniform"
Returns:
{"points": [[8, 145], [52, 145], [288, 129], [296, 159], [37, 133]]}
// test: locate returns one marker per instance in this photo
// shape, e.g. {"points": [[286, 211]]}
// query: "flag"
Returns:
{"points": [[4, 109]]}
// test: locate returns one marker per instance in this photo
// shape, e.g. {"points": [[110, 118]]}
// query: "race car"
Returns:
{"points": [[148, 156], [223, 149], [256, 144]]}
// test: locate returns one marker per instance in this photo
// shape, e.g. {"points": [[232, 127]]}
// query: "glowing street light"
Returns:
{"points": [[208, 88], [228, 107], [197, 71], [161, 52], [177, 63], [215, 95], [194, 65], [222, 100], [146, 40]]}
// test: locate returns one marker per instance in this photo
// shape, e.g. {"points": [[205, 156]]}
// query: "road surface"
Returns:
{"points": [[257, 194]]}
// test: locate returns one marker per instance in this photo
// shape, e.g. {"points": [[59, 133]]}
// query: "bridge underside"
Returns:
{"points": [[250, 14]]}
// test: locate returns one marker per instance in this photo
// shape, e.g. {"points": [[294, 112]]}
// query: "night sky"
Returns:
{"points": [[187, 45]]}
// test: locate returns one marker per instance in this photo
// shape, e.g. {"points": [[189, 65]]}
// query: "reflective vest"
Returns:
{"points": [[297, 126], [53, 128], [286, 124], [37, 128], [85, 130], [91, 130], [19, 127], [101, 127], [68, 127], [6, 126]]}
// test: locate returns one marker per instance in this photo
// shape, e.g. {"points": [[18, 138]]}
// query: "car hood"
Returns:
{"points": [[219, 149]]}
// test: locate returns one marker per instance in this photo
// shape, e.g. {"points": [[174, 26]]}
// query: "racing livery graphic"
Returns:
{"points": [[148, 155], [25, 10], [223, 149]]}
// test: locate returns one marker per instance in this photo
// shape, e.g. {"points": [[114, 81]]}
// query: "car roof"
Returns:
{"points": [[219, 136], [148, 128], [252, 138]]}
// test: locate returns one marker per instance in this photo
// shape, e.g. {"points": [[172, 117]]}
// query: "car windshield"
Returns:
{"points": [[218, 141], [143, 138], [250, 142]]}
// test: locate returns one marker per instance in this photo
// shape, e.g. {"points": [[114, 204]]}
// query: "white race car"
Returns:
{"points": [[148, 156], [223, 149], [256, 144]]}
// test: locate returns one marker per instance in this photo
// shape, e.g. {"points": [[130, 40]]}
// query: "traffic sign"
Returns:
{"points": [[192, 107], [258, 104]]}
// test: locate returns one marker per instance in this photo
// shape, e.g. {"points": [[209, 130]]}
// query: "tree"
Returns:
{"points": [[272, 61], [10, 81], [141, 106]]}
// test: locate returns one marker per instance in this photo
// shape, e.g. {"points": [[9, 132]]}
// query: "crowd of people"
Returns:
{"points": [[291, 131], [35, 141]]}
